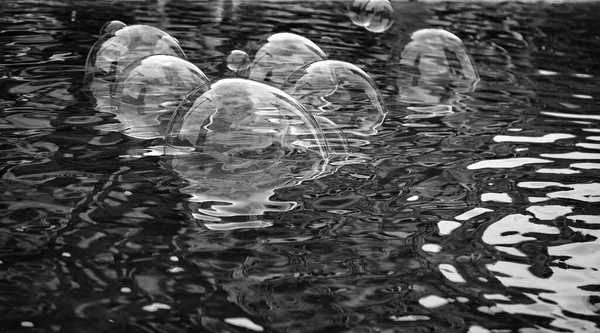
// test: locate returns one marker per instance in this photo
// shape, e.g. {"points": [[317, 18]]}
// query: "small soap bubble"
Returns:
{"points": [[238, 60], [236, 140], [383, 16], [327, 44], [110, 28], [278, 56], [374, 15], [431, 66], [358, 12], [148, 91]]}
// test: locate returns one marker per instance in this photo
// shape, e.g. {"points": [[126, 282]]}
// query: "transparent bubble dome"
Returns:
{"points": [[149, 89], [340, 92], [431, 65], [244, 135], [120, 46], [278, 56]]}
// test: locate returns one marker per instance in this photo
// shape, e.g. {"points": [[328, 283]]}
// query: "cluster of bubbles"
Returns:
{"points": [[374, 15], [289, 116]]}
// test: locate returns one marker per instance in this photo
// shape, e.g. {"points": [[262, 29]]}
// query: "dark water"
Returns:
{"points": [[479, 218]]}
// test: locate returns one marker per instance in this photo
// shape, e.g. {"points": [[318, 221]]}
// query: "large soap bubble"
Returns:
{"points": [[121, 45], [373, 15], [149, 89], [340, 92], [430, 66], [237, 140], [280, 55]]}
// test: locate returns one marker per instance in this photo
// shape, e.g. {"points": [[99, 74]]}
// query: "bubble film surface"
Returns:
{"points": [[238, 60], [149, 89], [341, 92], [374, 15], [278, 56], [236, 138], [115, 50], [432, 65]]}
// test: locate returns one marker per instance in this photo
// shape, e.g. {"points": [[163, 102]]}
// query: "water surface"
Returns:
{"points": [[479, 214]]}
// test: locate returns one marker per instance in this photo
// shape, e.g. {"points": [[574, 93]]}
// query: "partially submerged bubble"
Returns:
{"points": [[280, 55], [113, 52], [431, 66], [374, 15], [238, 60], [237, 140], [340, 92], [148, 91]]}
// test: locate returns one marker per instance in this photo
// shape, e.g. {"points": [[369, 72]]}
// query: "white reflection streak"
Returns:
{"points": [[506, 163], [571, 115], [451, 273], [548, 138], [574, 156]]}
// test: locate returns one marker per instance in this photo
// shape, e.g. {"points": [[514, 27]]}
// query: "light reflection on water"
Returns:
{"points": [[478, 214]]}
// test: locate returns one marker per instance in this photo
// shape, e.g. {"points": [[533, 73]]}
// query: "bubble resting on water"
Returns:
{"points": [[278, 56], [340, 92], [236, 140], [149, 89], [113, 52], [430, 66]]}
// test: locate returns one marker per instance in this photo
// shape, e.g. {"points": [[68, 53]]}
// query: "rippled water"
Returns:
{"points": [[479, 215]]}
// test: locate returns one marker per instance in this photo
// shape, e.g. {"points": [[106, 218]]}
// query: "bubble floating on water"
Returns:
{"points": [[238, 60], [149, 89], [236, 140], [374, 15], [110, 28], [340, 92], [113, 52], [431, 66], [278, 56]]}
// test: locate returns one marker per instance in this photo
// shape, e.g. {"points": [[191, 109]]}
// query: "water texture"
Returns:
{"points": [[477, 213]]}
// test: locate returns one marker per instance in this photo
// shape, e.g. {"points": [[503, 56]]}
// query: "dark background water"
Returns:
{"points": [[481, 219]]}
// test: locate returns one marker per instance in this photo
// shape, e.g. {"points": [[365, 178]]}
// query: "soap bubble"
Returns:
{"points": [[358, 13], [280, 55], [236, 140], [149, 89], [340, 92], [431, 66], [373, 15], [110, 28], [113, 52], [238, 61]]}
